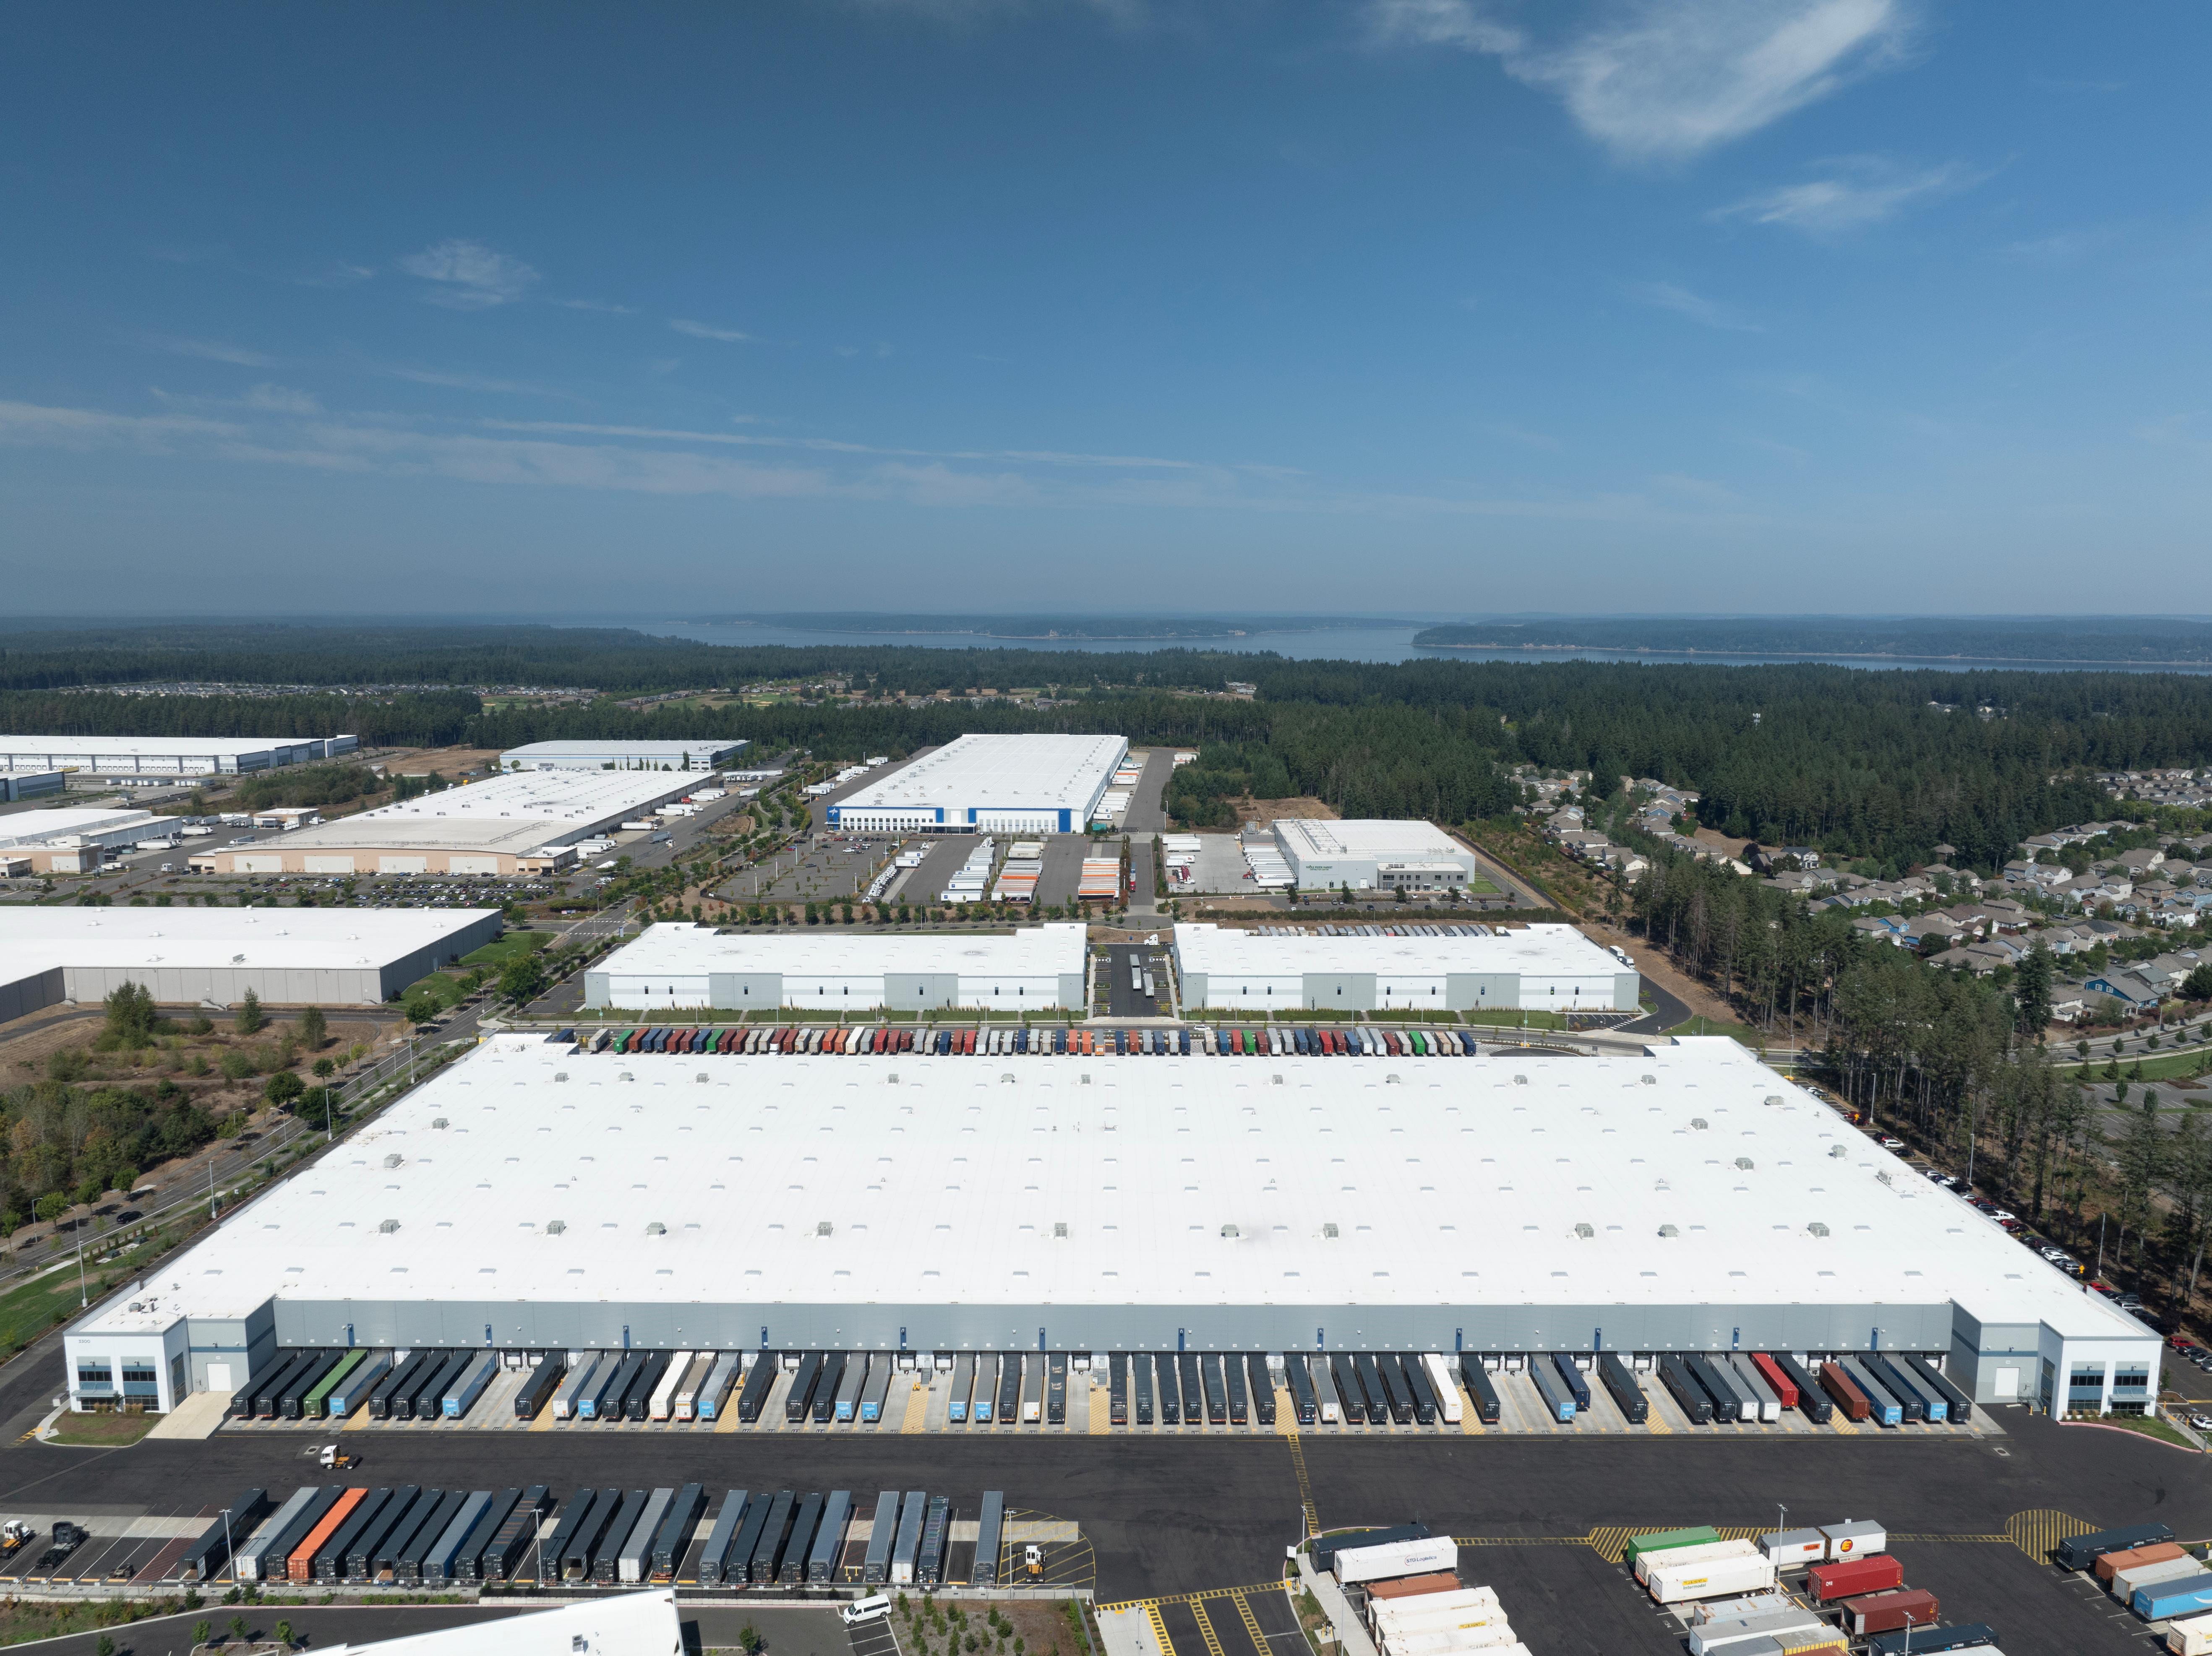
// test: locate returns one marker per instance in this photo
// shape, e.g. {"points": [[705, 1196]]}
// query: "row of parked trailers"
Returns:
{"points": [[336, 1384], [416, 1536], [1355, 1042]]}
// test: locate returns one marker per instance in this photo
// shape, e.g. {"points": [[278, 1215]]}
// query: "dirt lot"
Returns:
{"points": [[1267, 810], [448, 763]]}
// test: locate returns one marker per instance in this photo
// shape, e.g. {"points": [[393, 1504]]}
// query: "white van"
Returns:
{"points": [[865, 1610]]}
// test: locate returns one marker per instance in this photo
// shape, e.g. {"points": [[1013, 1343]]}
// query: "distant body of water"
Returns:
{"points": [[1381, 642]]}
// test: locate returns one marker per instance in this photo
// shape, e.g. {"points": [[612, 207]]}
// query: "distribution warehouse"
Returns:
{"points": [[990, 785], [703, 755], [1462, 968], [1373, 855], [534, 1196], [494, 826], [184, 957], [165, 757], [1036, 968], [74, 841]]}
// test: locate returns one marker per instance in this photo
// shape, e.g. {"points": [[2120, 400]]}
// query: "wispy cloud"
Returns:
{"points": [[2065, 248], [1859, 190], [258, 399], [216, 350], [467, 275], [708, 330], [452, 379], [1662, 79], [1706, 312], [596, 304]]}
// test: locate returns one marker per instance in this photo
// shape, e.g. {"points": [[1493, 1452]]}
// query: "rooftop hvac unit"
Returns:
{"points": [[388, 1227]]}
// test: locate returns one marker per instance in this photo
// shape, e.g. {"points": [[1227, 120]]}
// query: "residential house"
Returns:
{"points": [[2131, 991]]}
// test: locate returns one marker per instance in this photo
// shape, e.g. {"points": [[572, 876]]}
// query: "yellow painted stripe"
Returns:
{"points": [[917, 1410], [1160, 1628], [1102, 1411], [1251, 1622], [1205, 1629]]}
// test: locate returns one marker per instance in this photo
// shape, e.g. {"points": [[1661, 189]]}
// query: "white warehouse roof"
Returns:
{"points": [[971, 778], [680, 965], [296, 938], [1548, 951], [96, 825], [166, 753], [703, 754], [1365, 837], [521, 810], [1680, 1185]]}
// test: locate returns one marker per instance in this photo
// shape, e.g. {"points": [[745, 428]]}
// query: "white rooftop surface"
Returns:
{"points": [[1043, 772], [673, 752], [1533, 951], [1453, 1184], [679, 948], [640, 1623], [189, 747], [531, 808], [1365, 837], [39, 827], [298, 939]]}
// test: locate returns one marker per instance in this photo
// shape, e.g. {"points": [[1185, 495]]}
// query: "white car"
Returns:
{"points": [[1889, 1143]]}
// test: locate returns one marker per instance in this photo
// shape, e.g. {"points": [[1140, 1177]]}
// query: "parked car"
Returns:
{"points": [[1889, 1143], [2200, 1420]]}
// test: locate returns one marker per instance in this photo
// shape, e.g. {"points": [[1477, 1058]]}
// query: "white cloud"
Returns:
{"points": [[1860, 191], [1662, 79], [596, 304], [1667, 296], [463, 381], [469, 275], [215, 350], [280, 399], [2066, 247], [706, 331]]}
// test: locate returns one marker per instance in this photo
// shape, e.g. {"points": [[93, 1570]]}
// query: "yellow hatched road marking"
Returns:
{"points": [[1305, 1488], [1102, 1411], [917, 1410], [1189, 1597], [727, 1420], [2039, 1529], [1251, 1622], [1205, 1629], [1286, 1412], [1159, 1627]]}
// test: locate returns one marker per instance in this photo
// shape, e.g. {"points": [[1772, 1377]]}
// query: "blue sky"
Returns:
{"points": [[1433, 305]]}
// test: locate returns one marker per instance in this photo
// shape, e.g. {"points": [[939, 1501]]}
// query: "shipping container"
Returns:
{"points": [[316, 1404], [1813, 1401], [963, 1382], [822, 1558], [547, 1561], [986, 1388], [246, 1562], [1344, 1385], [466, 1388], [1479, 1389], [1141, 1385], [606, 1558], [936, 1530], [883, 1534], [1424, 1613], [602, 1398], [760, 1381], [466, 1563], [328, 1562], [270, 1557], [407, 1564], [1117, 1388], [361, 1552], [298, 1565], [579, 1379], [714, 1394], [1910, 1403], [1887, 1612], [515, 1546], [1794, 1549], [260, 1395], [768, 1550], [1731, 1402], [1427, 1405], [806, 1518], [737, 1568], [1694, 1401], [1783, 1387], [1696, 1552], [585, 1540], [1901, 1374], [1884, 1410], [1032, 1392], [990, 1529], [722, 1540], [903, 1551], [1665, 1541], [1845, 1391], [1006, 1408], [1397, 1395], [1263, 1389], [1925, 1371], [1325, 1549], [1856, 1537], [634, 1557], [1559, 1402], [1415, 1556], [798, 1401], [424, 1401], [1369, 1376], [1853, 1577], [1786, 1630], [1620, 1386], [538, 1385], [2190, 1636], [1571, 1378], [1215, 1387], [1055, 1389], [1428, 1590], [2109, 1564], [637, 1401], [852, 1379], [437, 1564], [349, 1396], [877, 1390], [1966, 1635], [1745, 1571], [1744, 1374], [661, 1405], [1438, 1375], [2129, 1582]]}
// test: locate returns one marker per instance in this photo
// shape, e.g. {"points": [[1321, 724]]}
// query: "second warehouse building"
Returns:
{"points": [[990, 785]]}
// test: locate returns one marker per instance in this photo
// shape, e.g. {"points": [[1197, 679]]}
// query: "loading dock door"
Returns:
{"points": [[1341, 992]]}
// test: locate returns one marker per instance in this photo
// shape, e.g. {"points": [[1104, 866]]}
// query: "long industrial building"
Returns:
{"points": [[167, 757], [1376, 854], [504, 826], [536, 1196], [75, 840], [990, 785], [1462, 968], [185, 956], [1036, 968], [702, 755]]}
